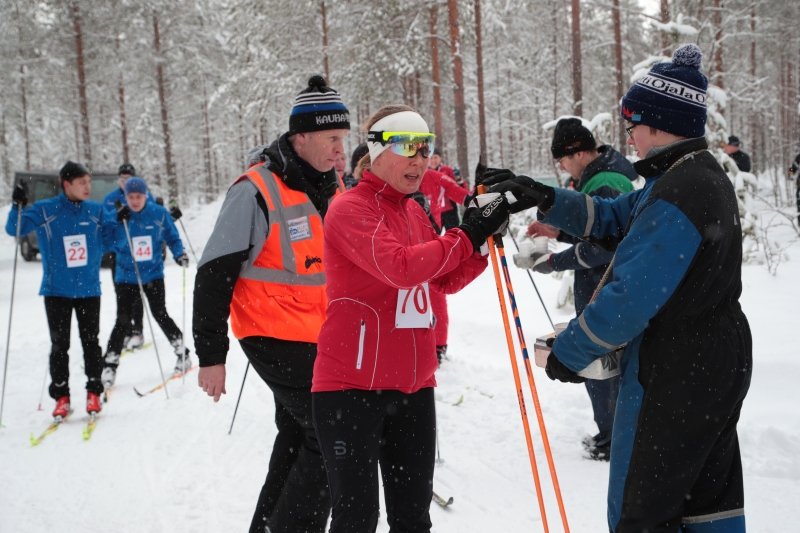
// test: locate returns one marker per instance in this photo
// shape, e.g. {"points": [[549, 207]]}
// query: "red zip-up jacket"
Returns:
{"points": [[377, 242], [439, 188]]}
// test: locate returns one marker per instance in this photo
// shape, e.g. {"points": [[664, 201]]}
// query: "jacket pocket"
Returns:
{"points": [[361, 345]]}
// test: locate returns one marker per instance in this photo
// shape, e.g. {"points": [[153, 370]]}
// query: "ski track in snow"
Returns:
{"points": [[158, 465]]}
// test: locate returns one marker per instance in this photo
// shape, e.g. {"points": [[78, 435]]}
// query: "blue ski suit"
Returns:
{"points": [[155, 224], [674, 299], [69, 269]]}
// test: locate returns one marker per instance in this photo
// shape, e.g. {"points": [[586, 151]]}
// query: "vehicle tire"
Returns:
{"points": [[28, 252]]}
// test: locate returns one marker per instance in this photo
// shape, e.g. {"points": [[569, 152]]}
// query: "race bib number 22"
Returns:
{"points": [[414, 308], [76, 251]]}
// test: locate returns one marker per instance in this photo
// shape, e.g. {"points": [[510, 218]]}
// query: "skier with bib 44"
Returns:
{"points": [[673, 298], [149, 225]]}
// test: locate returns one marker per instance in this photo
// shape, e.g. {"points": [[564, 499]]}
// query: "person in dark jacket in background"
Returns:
{"points": [[72, 239], [264, 268], [673, 299], [733, 149], [602, 172], [794, 170], [350, 179], [447, 207]]}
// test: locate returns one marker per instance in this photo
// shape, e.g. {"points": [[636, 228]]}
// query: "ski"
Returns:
{"points": [[129, 351], [88, 429], [50, 429], [161, 385], [441, 502]]}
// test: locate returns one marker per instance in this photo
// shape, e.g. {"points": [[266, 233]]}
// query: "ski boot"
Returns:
{"points": [[136, 340], [62, 408], [597, 452], [93, 403], [108, 377], [183, 363]]}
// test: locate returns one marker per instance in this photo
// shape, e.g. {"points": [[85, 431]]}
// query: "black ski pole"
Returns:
{"points": [[534, 284], [145, 304], [236, 410], [10, 314]]}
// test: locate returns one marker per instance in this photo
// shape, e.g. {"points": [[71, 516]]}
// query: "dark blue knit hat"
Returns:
{"points": [[317, 108], [672, 96], [135, 184]]}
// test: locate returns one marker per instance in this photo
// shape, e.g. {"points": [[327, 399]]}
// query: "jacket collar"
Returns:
{"points": [[69, 203], [655, 165], [607, 160], [377, 185]]}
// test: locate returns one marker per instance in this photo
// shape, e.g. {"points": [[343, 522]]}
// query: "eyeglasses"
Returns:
{"points": [[406, 144], [629, 130]]}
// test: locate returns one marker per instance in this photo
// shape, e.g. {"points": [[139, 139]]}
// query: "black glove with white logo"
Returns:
{"points": [[556, 370], [528, 192], [183, 260], [20, 195], [482, 222], [123, 212]]}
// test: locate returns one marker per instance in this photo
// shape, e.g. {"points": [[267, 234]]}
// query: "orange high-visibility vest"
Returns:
{"points": [[280, 292]]}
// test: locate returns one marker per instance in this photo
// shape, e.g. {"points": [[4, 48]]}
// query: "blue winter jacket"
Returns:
{"points": [[57, 218], [153, 221]]}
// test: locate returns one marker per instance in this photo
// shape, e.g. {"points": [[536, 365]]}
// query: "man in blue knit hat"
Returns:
{"points": [[673, 300], [263, 268]]}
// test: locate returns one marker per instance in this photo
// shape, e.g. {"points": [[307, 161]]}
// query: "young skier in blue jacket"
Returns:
{"points": [[673, 298], [72, 240], [149, 225]]}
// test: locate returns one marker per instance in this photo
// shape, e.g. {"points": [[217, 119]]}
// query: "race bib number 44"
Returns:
{"points": [[142, 248], [414, 308], [76, 251]]}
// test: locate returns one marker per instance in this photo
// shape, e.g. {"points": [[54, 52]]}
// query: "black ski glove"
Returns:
{"points": [[175, 213], [482, 222], [556, 370], [123, 212], [470, 197], [20, 195], [183, 260], [528, 192]]}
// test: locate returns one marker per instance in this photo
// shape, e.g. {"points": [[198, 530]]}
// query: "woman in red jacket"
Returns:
{"points": [[373, 377]]}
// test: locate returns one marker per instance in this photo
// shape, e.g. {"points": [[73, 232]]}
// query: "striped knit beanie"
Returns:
{"points": [[318, 108], [672, 96]]}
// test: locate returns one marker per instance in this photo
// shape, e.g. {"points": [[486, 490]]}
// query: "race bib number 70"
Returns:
{"points": [[76, 251], [142, 248], [414, 308]]}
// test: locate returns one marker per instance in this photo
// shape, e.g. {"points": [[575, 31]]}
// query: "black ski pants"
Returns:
{"points": [[360, 429], [295, 496], [135, 319], [59, 319], [127, 295]]}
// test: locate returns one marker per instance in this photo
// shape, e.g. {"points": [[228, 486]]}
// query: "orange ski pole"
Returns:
{"points": [[531, 382], [515, 369]]}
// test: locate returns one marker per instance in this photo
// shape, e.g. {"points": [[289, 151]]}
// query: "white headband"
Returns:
{"points": [[403, 121]]}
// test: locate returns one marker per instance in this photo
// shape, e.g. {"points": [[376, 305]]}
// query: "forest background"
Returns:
{"points": [[183, 90]]}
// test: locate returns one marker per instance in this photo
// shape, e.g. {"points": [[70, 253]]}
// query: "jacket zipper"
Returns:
{"points": [[361, 345]]}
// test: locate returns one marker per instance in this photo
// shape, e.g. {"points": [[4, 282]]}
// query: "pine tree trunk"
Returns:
{"points": [[577, 81], [481, 100], [718, 69], [25, 131], [458, 90], [618, 74], [172, 179], [7, 179], [665, 39], [437, 92], [325, 43], [122, 119], [207, 150], [83, 101]]}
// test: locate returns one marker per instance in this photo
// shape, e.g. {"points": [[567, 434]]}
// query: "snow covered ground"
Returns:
{"points": [[158, 465]]}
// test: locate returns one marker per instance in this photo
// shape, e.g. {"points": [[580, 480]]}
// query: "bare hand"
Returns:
{"points": [[539, 229], [212, 380]]}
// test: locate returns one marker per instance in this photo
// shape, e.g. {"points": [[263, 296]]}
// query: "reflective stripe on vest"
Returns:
{"points": [[280, 215], [280, 292]]}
